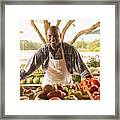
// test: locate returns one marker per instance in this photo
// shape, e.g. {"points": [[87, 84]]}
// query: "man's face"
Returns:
{"points": [[53, 36]]}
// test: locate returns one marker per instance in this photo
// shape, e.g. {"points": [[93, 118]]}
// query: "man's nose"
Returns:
{"points": [[52, 38]]}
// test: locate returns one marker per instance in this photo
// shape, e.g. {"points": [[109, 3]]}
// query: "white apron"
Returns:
{"points": [[57, 72]]}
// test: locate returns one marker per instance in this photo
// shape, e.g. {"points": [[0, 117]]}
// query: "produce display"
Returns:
{"points": [[32, 80], [87, 89]]}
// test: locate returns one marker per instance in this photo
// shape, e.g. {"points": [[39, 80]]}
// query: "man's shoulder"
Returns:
{"points": [[68, 47], [67, 44]]}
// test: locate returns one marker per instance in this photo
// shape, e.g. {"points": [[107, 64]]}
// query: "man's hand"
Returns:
{"points": [[22, 73]]}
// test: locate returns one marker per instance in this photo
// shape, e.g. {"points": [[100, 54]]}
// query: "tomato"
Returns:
{"points": [[99, 89], [97, 97], [85, 88], [93, 88], [95, 82], [85, 82], [95, 94]]}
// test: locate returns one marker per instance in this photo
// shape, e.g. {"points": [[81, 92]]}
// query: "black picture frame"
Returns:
{"points": [[2, 60]]}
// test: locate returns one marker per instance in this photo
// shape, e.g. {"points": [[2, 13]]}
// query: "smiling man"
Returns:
{"points": [[58, 59]]}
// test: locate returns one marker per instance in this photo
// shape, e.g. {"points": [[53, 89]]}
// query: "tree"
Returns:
{"points": [[95, 46], [85, 46], [29, 45], [47, 24]]}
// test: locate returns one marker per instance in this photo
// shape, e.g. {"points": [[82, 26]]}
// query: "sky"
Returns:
{"points": [[28, 32]]}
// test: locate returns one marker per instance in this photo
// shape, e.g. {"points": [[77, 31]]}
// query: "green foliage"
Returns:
{"points": [[85, 46], [95, 46], [94, 70], [29, 45], [92, 62]]}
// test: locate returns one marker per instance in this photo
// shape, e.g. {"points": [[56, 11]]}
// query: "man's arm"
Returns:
{"points": [[80, 66], [32, 64]]}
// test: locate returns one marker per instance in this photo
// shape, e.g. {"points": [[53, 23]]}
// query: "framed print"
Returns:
{"points": [[60, 60]]}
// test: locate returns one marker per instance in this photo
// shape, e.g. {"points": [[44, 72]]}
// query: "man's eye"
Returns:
{"points": [[49, 35]]}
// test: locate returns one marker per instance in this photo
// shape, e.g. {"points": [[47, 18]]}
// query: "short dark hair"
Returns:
{"points": [[54, 28]]}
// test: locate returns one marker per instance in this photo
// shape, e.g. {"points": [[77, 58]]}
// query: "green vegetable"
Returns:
{"points": [[77, 94], [70, 97]]}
